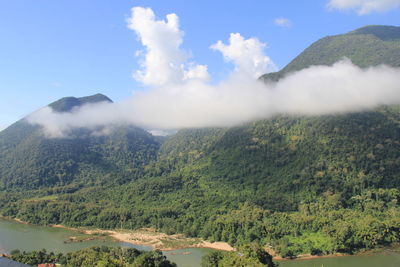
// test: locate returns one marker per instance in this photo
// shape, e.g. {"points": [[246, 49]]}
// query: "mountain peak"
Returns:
{"points": [[66, 104], [384, 33], [367, 46]]}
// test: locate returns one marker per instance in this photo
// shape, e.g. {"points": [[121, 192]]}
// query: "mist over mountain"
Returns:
{"points": [[29, 159], [301, 180], [365, 47], [351, 72]]}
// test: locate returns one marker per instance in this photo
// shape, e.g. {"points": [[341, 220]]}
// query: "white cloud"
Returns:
{"points": [[316, 90], [161, 132], [197, 72], [181, 97], [340, 88], [283, 22], [164, 61], [247, 55], [363, 7]]}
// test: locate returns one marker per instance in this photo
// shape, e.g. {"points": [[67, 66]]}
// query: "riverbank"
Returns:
{"points": [[395, 248], [150, 237], [142, 237], [310, 257]]}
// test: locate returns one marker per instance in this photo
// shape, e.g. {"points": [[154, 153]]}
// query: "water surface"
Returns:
{"points": [[25, 237], [385, 259]]}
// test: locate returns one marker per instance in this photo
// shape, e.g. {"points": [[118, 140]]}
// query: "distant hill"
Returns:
{"points": [[367, 46], [30, 160], [68, 103]]}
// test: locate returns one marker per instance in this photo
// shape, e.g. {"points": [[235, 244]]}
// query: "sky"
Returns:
{"points": [[52, 49]]}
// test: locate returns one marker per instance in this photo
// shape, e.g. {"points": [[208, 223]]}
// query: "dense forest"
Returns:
{"points": [[365, 47], [95, 256], [30, 160], [299, 185], [248, 255]]}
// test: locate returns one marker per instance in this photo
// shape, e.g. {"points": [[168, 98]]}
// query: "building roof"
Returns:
{"points": [[4, 262]]}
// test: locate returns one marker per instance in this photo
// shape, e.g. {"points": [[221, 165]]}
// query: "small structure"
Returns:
{"points": [[4, 262], [46, 265]]}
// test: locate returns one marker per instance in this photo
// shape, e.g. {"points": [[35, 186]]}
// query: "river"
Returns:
{"points": [[25, 237], [14, 235]]}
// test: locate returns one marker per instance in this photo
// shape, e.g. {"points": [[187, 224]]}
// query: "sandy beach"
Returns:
{"points": [[161, 241], [157, 240]]}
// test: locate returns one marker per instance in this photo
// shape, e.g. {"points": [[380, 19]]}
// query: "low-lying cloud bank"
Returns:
{"points": [[180, 96], [340, 88]]}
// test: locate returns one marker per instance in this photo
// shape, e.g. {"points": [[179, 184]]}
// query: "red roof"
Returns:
{"points": [[47, 265]]}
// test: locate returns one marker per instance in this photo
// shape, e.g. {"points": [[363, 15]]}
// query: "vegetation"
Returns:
{"points": [[96, 256], [68, 103], [367, 46], [29, 160], [301, 185], [248, 255], [315, 185]]}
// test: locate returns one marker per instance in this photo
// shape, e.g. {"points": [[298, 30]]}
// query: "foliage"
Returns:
{"points": [[29, 160], [96, 256], [367, 46], [248, 255], [68, 103], [315, 185]]}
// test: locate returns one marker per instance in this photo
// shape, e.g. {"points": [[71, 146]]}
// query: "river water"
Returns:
{"points": [[385, 259], [14, 235], [25, 237]]}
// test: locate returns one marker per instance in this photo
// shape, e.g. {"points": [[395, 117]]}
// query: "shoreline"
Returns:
{"points": [[151, 238], [311, 257], [394, 248], [157, 240], [144, 237]]}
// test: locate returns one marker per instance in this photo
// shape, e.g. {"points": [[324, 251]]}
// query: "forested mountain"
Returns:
{"points": [[68, 103], [28, 159], [315, 184], [367, 46]]}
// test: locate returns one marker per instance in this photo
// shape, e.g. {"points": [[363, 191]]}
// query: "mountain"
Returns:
{"points": [[367, 46], [299, 184], [281, 161], [68, 103], [30, 160]]}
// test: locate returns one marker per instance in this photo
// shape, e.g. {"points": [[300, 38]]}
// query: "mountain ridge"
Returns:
{"points": [[367, 46], [66, 104]]}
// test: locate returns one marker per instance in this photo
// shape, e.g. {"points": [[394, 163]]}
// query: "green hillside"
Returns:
{"points": [[315, 185], [30, 160], [367, 46]]}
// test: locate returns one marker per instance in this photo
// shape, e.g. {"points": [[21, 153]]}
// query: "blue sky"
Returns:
{"points": [[51, 49]]}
